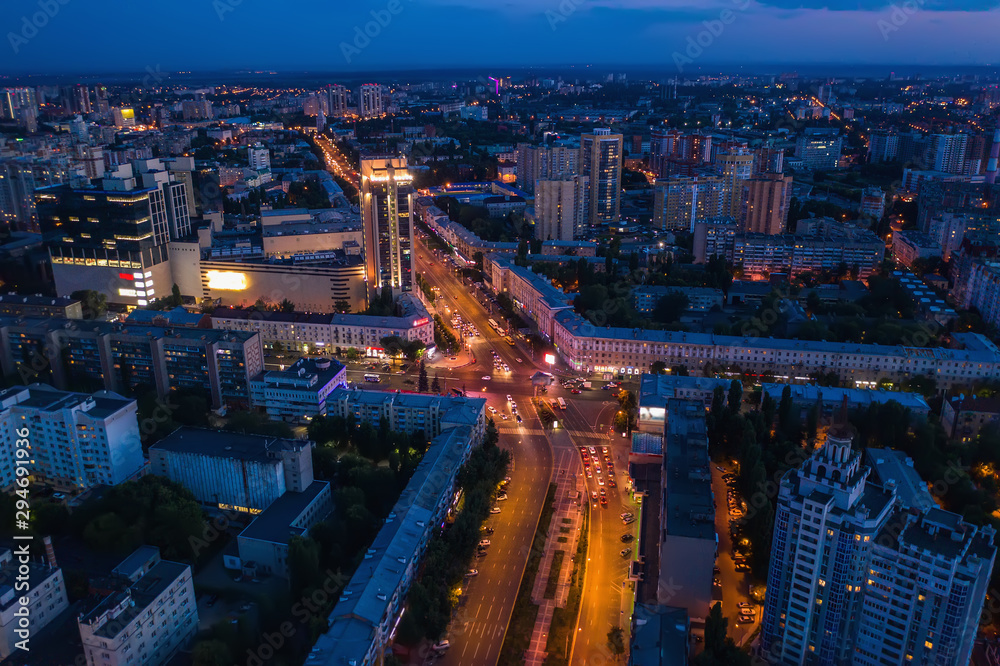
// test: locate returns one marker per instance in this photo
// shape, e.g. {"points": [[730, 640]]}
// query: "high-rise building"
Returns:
{"points": [[78, 441], [561, 208], [883, 146], [764, 203], [19, 178], [601, 162], [680, 203], [866, 570], [386, 200], [736, 167], [28, 610], [946, 153], [14, 99], [768, 160], [259, 157], [536, 163], [819, 148], [337, 100], [113, 237], [370, 104], [873, 203]]}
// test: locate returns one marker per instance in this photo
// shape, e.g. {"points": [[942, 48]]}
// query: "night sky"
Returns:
{"points": [[320, 35]]}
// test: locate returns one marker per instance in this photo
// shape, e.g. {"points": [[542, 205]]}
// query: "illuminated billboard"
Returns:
{"points": [[550, 358], [227, 280]]}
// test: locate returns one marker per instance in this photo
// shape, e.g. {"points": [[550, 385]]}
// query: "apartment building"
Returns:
{"points": [[410, 412], [148, 620], [561, 208], [865, 569], [16, 305], [46, 599], [310, 333], [298, 393], [963, 417], [125, 357], [680, 203], [655, 391], [688, 542], [911, 246], [824, 250], [700, 299], [78, 440]]}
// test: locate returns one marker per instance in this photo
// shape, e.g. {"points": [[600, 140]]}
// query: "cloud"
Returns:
{"points": [[880, 5]]}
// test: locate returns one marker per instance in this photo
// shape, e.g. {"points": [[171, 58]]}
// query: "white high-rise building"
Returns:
{"points": [[77, 441], [259, 157], [386, 205], [866, 570], [370, 104], [946, 152]]}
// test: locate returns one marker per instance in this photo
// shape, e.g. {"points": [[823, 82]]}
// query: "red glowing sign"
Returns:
{"points": [[126, 276], [421, 322]]}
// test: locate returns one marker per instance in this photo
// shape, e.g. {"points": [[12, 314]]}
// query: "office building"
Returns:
{"points": [[365, 618], [45, 594], [819, 149], [601, 162], [370, 104], [148, 619], [125, 357], [114, 237], [680, 203], [764, 204], [386, 201], [554, 162], [688, 541], [233, 471], [865, 569], [298, 393], [561, 208], [78, 441], [19, 179], [310, 333]]}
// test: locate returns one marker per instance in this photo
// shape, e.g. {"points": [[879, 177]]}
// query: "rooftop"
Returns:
{"points": [[222, 444], [688, 508], [44, 398], [895, 467], [276, 522]]}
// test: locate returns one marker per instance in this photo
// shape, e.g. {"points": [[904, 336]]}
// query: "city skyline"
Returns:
{"points": [[680, 34]]}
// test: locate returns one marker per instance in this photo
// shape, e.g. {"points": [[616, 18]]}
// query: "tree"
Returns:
{"points": [[616, 641], [286, 306], [492, 435], [436, 385], [341, 306], [715, 629], [211, 653], [303, 564], [735, 396], [422, 379], [670, 308], [658, 368], [175, 298], [94, 303]]}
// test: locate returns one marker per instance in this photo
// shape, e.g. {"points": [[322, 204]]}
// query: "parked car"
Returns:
{"points": [[626, 538], [483, 543], [625, 552], [472, 573]]}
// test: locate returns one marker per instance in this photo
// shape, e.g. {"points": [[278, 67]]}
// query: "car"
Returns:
{"points": [[575, 391], [504, 417], [443, 645], [603, 493], [493, 410], [625, 552], [600, 480], [518, 417], [604, 501], [509, 399], [483, 543], [487, 529], [593, 495], [472, 573], [749, 612], [597, 468], [716, 582], [628, 521], [502, 497], [744, 604], [626, 538], [593, 451], [611, 482], [626, 514], [590, 473], [453, 358], [519, 360], [486, 378], [745, 619], [720, 468], [742, 568], [481, 553], [495, 510], [59, 496]]}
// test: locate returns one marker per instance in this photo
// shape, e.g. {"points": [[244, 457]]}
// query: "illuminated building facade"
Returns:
{"points": [[601, 161], [113, 238], [386, 202]]}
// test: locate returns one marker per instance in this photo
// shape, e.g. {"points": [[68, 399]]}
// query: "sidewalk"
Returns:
{"points": [[567, 521]]}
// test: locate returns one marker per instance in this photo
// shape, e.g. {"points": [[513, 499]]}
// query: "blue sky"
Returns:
{"points": [[127, 36]]}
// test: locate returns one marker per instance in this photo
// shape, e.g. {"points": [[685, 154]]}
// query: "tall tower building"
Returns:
{"points": [[764, 203], [386, 202], [767, 159], [370, 103], [561, 208], [680, 203], [536, 163], [337, 100], [259, 157], [946, 152], [883, 146], [866, 570], [736, 168], [12, 100], [601, 162]]}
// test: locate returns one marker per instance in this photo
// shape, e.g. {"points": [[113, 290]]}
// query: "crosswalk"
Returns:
{"points": [[575, 434]]}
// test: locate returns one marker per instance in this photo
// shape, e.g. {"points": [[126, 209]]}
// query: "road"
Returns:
{"points": [[735, 584], [477, 631], [607, 599], [336, 163]]}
